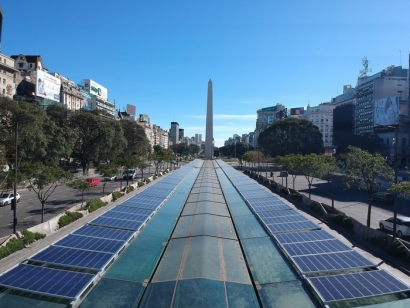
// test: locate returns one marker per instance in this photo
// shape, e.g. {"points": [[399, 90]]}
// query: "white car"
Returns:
{"points": [[402, 225], [110, 178], [7, 197]]}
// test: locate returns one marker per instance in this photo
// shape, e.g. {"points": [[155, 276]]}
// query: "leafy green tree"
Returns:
{"points": [[193, 149], [291, 136], [326, 169], [294, 163], [366, 170], [81, 185], [107, 170], [137, 141], [44, 180], [309, 166], [402, 188]]}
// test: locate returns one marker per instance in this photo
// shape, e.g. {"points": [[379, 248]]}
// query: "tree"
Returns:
{"points": [[402, 188], [295, 165], [81, 186], [326, 169], [44, 180], [309, 165], [194, 149], [108, 170], [366, 170], [291, 136], [367, 142], [137, 141]]}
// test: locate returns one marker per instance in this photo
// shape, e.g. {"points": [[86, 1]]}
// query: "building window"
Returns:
{"points": [[21, 65], [4, 80], [4, 91], [4, 61]]}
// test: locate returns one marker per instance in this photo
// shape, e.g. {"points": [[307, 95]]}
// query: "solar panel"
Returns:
{"points": [[159, 193], [46, 281], [277, 214], [318, 247], [101, 232], [292, 227], [357, 285], [144, 203], [117, 223], [90, 243], [302, 237], [284, 219], [331, 262], [255, 194], [269, 202], [73, 257], [126, 216], [131, 210]]}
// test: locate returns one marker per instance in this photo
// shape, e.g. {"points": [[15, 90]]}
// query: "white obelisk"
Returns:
{"points": [[209, 135]]}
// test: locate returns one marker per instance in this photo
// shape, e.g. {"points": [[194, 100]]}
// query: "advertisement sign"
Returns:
{"points": [[297, 111], [273, 108], [386, 111], [131, 109], [48, 86], [96, 89], [144, 118], [86, 102]]}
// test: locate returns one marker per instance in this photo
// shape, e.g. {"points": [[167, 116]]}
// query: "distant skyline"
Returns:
{"points": [[160, 55]]}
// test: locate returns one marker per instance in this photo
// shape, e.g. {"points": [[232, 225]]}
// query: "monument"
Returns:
{"points": [[209, 136]]}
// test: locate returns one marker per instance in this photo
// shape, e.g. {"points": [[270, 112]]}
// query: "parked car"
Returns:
{"points": [[283, 174], [7, 197], [93, 181], [129, 174], [402, 225], [383, 197], [110, 178]]}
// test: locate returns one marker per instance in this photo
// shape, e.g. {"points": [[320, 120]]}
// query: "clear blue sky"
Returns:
{"points": [[159, 55]]}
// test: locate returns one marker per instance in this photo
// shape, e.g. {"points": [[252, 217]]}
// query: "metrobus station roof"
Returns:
{"points": [[205, 235]]}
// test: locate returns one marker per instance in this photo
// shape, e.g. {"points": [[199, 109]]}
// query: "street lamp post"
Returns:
{"points": [[14, 202], [396, 133]]}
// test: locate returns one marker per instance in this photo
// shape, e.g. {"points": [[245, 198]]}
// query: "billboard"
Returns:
{"points": [[144, 118], [87, 100], [96, 89], [297, 111], [131, 109], [386, 111], [48, 86]]}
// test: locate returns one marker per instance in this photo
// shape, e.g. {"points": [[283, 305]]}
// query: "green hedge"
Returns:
{"points": [[129, 189], [154, 178], [343, 221], [147, 180], [116, 195], [397, 249], [316, 207], [381, 241], [12, 246], [68, 218], [297, 196], [285, 191], [94, 204], [141, 184], [30, 237], [274, 185]]}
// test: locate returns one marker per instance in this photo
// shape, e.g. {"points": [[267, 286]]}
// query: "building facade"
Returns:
{"points": [[265, 117], [322, 117], [7, 76], [174, 133]]}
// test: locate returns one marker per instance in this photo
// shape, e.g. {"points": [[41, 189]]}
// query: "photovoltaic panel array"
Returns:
{"points": [[46, 281], [301, 237], [71, 257], [356, 285], [336, 261], [144, 202], [268, 204], [313, 248], [317, 251], [118, 223], [90, 243], [102, 232]]}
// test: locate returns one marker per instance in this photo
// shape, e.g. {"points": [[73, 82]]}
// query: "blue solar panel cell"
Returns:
{"points": [[332, 261], [318, 247], [90, 243], [131, 210], [117, 223], [101, 232], [71, 257], [301, 237], [125, 216], [292, 227], [46, 281], [357, 285]]}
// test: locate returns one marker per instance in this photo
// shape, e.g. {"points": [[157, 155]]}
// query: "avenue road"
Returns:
{"points": [[63, 198]]}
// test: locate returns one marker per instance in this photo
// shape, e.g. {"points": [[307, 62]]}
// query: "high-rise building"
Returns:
{"points": [[174, 133], [265, 117], [181, 135], [198, 138], [322, 117]]}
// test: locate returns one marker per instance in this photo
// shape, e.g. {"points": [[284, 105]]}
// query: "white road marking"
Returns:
{"points": [[29, 206], [28, 217]]}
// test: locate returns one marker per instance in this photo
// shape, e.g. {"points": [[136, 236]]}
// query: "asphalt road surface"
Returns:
{"points": [[62, 199]]}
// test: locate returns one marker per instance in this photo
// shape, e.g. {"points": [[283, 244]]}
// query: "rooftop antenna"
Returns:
{"points": [[366, 68], [400, 57]]}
